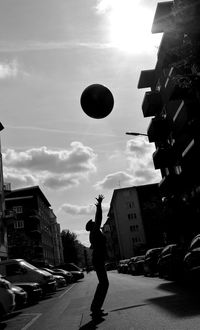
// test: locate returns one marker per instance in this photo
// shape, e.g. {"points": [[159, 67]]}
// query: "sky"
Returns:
{"points": [[50, 51]]}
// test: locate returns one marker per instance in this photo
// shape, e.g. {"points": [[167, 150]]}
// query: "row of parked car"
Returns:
{"points": [[22, 283], [174, 262]]}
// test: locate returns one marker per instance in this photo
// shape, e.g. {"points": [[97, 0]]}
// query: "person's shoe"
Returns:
{"points": [[98, 314]]}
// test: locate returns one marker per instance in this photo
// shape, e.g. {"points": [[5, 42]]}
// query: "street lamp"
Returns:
{"points": [[135, 133]]}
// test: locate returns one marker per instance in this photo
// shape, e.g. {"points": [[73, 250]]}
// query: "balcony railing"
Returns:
{"points": [[158, 129], [164, 157], [152, 104], [170, 184]]}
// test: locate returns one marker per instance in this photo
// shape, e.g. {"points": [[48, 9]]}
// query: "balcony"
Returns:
{"points": [[33, 214], [163, 18], [9, 214], [158, 129], [152, 104], [147, 79], [172, 184], [35, 233], [164, 157]]}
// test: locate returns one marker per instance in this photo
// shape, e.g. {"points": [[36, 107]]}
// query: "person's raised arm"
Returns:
{"points": [[98, 215]]}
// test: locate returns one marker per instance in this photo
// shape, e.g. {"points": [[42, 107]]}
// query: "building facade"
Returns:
{"points": [[32, 229], [172, 100], [134, 221], [3, 230], [56, 238]]}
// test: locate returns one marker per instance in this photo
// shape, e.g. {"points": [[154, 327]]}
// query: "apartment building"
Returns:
{"points": [[33, 233], [134, 221], [56, 238], [172, 100], [3, 230]]}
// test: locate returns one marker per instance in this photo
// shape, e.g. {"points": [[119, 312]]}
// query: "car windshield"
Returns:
{"points": [[27, 265], [195, 243], [59, 270], [48, 270], [72, 267]]}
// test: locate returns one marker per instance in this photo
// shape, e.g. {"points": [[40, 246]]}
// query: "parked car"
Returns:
{"points": [[151, 261], [192, 259], [111, 265], [67, 275], [20, 296], [33, 290], [76, 271], [123, 266], [19, 270], [170, 262], [60, 279], [136, 265], [7, 297]]}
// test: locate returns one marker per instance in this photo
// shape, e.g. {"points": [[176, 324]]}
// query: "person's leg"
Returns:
{"points": [[101, 289]]}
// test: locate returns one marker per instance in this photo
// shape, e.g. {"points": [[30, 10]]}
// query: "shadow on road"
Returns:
{"points": [[128, 307], [183, 302], [92, 325]]}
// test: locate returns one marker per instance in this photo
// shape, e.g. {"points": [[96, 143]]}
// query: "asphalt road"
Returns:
{"points": [[133, 302]]}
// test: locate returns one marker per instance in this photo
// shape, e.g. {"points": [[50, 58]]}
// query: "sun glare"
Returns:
{"points": [[130, 26]]}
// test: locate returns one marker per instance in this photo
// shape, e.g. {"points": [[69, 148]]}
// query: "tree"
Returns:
{"points": [[69, 241], [73, 250]]}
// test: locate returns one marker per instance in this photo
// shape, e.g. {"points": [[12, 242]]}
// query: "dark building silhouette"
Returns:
{"points": [[172, 100], [33, 233]]}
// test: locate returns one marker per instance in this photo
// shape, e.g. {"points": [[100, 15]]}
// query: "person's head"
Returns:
{"points": [[89, 225]]}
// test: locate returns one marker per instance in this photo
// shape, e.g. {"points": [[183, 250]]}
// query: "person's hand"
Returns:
{"points": [[99, 199]]}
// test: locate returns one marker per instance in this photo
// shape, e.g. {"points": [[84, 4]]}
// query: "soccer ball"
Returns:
{"points": [[97, 101]]}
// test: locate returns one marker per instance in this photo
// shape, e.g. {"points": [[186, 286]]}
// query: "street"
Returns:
{"points": [[133, 302]]}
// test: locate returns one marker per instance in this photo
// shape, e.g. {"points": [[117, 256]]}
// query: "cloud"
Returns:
{"points": [[77, 210], [88, 210], [19, 179], [54, 45], [115, 180], [55, 169], [139, 156], [140, 169], [9, 70]]}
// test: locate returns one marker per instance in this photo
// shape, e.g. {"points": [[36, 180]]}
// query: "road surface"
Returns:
{"points": [[132, 303]]}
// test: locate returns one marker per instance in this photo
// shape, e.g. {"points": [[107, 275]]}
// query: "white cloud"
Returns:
{"points": [[19, 178], [56, 169], [140, 169], [82, 210], [115, 180], [9, 70], [139, 155], [77, 210]]}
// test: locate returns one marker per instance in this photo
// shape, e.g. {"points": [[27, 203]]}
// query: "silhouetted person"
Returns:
{"points": [[98, 245]]}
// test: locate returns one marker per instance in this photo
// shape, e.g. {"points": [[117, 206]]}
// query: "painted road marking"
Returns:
{"points": [[66, 291], [29, 324]]}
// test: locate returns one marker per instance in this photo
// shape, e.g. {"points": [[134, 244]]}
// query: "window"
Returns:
{"points": [[130, 205], [130, 216], [19, 224], [18, 209]]}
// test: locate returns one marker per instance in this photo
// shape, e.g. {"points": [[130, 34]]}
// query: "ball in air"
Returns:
{"points": [[97, 101]]}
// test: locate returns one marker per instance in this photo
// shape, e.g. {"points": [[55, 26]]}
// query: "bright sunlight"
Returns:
{"points": [[130, 25]]}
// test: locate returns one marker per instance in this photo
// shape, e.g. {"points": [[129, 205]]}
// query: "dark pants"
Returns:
{"points": [[102, 286]]}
